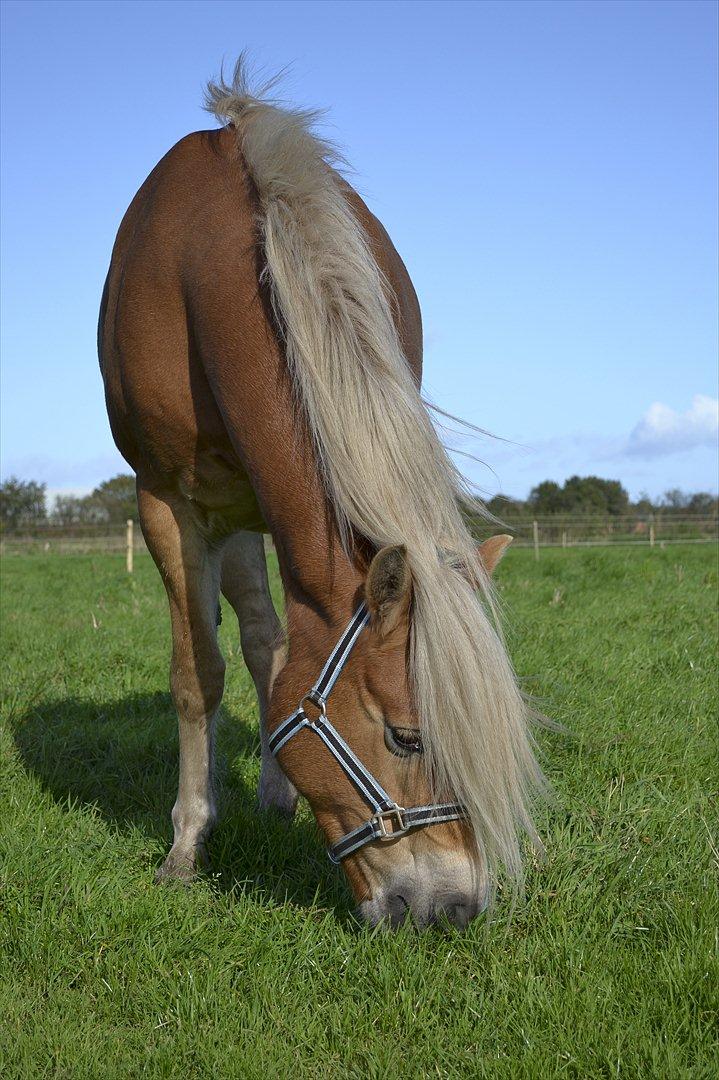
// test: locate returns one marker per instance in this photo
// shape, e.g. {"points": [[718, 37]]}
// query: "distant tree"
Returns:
{"points": [[703, 503], [71, 510], [22, 502], [64, 511], [643, 505], [617, 497], [547, 498], [675, 499], [115, 500], [505, 508], [579, 495], [111, 503], [592, 495]]}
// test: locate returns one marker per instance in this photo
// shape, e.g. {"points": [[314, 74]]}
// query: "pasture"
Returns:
{"points": [[607, 967]]}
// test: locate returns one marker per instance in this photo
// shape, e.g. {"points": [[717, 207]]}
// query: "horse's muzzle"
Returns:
{"points": [[409, 902]]}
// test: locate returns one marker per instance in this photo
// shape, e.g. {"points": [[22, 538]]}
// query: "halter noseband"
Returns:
{"points": [[389, 820]]}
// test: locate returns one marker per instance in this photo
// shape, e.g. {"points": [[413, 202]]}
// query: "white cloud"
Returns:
{"points": [[648, 458], [663, 431]]}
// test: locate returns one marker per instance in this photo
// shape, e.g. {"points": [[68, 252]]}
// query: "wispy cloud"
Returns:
{"points": [[665, 448], [663, 430], [64, 475]]}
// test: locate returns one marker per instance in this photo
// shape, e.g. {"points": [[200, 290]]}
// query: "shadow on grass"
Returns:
{"points": [[121, 757]]}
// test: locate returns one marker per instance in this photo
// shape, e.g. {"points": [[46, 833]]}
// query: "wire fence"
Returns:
{"points": [[588, 531], [555, 531], [80, 540]]}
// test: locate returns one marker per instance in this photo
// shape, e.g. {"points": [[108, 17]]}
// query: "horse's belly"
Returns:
{"points": [[221, 496]]}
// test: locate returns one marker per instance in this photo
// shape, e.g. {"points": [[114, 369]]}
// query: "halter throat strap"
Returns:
{"points": [[389, 820]]}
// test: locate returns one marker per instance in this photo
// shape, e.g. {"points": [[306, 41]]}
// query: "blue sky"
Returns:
{"points": [[546, 170]]}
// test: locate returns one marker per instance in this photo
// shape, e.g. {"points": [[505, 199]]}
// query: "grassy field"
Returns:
{"points": [[608, 967]]}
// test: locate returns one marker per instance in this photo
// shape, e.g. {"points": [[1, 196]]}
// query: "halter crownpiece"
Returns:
{"points": [[389, 820]]}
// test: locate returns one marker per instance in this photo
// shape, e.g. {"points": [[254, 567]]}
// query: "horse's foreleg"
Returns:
{"points": [[245, 584], [190, 569]]}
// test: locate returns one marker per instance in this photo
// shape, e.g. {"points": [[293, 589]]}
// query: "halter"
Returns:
{"points": [[389, 820]]}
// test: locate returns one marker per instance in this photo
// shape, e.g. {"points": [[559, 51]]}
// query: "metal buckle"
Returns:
{"points": [[381, 819], [317, 704]]}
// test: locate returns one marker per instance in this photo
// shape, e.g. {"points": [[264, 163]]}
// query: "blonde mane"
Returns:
{"points": [[386, 472]]}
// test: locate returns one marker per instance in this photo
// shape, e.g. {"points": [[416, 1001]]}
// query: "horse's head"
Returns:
{"points": [[418, 857]]}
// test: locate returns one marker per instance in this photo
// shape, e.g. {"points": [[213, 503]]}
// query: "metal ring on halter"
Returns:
{"points": [[321, 705]]}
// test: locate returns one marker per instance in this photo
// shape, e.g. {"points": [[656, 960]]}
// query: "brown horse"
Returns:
{"points": [[260, 343]]}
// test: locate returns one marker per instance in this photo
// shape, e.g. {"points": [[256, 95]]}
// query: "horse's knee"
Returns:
{"points": [[197, 688], [260, 638]]}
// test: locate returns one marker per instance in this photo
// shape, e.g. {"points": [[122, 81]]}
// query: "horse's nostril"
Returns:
{"points": [[458, 911], [397, 908], [458, 914]]}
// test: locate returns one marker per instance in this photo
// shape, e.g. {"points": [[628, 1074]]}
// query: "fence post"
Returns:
{"points": [[535, 532], [564, 537], [651, 534], [130, 545]]}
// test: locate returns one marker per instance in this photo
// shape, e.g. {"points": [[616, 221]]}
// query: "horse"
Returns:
{"points": [[260, 344]]}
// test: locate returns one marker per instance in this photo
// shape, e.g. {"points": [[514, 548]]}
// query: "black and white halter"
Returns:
{"points": [[389, 821]]}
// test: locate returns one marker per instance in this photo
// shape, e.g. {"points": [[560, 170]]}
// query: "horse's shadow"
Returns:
{"points": [[121, 758]]}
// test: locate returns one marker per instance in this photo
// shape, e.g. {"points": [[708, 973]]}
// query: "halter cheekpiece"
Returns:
{"points": [[389, 821]]}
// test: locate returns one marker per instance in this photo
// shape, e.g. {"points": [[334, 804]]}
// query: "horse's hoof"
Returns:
{"points": [[182, 867]]}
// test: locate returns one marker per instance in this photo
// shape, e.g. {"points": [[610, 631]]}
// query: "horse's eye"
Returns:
{"points": [[402, 740]]}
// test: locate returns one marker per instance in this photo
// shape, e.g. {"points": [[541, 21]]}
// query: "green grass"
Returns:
{"points": [[607, 968]]}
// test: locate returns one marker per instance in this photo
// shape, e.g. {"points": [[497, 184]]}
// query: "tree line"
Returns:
{"points": [[23, 503], [592, 496]]}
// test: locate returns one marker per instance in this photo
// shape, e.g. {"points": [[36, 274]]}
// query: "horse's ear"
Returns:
{"points": [[492, 550], [388, 588]]}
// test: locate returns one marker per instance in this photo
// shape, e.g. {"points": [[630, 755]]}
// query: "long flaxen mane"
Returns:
{"points": [[387, 475]]}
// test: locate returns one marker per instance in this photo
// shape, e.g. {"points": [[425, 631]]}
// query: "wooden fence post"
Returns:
{"points": [[535, 531], [564, 537], [651, 534], [130, 545]]}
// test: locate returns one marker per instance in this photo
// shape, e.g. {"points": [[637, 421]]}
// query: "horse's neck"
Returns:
{"points": [[322, 584]]}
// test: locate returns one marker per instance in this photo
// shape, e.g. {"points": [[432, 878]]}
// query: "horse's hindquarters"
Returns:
{"points": [[162, 408]]}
